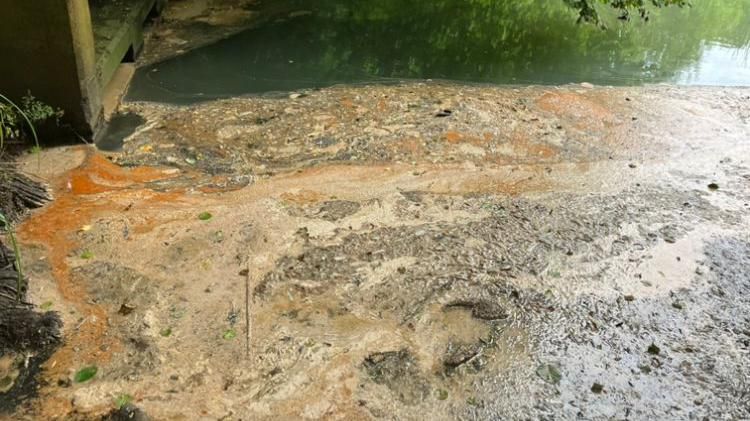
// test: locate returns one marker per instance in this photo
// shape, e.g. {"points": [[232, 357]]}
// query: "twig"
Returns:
{"points": [[247, 311]]}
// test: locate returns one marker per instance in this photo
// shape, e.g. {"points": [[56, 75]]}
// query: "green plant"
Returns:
{"points": [[123, 400], [8, 123], [13, 117], [16, 253], [38, 111]]}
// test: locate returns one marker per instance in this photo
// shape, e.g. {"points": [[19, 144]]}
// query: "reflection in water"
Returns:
{"points": [[494, 41]]}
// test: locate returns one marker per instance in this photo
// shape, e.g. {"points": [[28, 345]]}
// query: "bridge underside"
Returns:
{"points": [[66, 52]]}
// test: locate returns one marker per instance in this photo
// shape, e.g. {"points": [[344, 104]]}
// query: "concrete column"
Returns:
{"points": [[47, 48]]}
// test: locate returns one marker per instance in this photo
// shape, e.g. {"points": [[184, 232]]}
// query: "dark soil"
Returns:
{"points": [[27, 337]]}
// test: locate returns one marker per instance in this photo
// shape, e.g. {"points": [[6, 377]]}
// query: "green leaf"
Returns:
{"points": [[123, 400], [549, 373], [205, 216], [87, 254], [229, 334], [46, 305], [85, 374], [166, 332]]}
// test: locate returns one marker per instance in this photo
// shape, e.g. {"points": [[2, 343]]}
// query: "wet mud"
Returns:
{"points": [[550, 253]]}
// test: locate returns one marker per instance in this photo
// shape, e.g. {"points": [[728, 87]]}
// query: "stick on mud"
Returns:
{"points": [[247, 312]]}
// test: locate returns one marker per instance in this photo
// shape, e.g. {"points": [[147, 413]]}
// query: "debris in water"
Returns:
{"points": [[653, 349], [481, 309], [597, 388], [127, 412], [713, 186], [126, 309], [399, 371], [459, 354]]}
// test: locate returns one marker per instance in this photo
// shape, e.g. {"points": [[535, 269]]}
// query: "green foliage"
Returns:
{"points": [[5, 224], [39, 112], [16, 119], [588, 11], [9, 122]]}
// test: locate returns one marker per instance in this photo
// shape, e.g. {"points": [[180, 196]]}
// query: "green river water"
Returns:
{"points": [[517, 42]]}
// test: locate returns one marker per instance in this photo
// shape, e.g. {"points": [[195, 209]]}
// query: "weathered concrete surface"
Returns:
{"points": [[118, 32], [48, 48], [52, 49], [411, 252]]}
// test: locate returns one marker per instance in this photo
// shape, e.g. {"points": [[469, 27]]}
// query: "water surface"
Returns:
{"points": [[118, 129], [326, 42]]}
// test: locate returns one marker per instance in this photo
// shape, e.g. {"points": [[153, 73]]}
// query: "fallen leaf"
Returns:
{"points": [[549, 373], [85, 374], [229, 334], [123, 400]]}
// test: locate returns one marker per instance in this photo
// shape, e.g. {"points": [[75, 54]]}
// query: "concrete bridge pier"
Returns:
{"points": [[65, 52]]}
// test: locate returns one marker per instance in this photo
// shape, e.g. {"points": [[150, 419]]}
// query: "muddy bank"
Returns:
{"points": [[412, 251]]}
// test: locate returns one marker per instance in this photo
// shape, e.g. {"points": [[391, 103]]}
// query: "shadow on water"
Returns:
{"points": [[328, 42], [119, 128]]}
